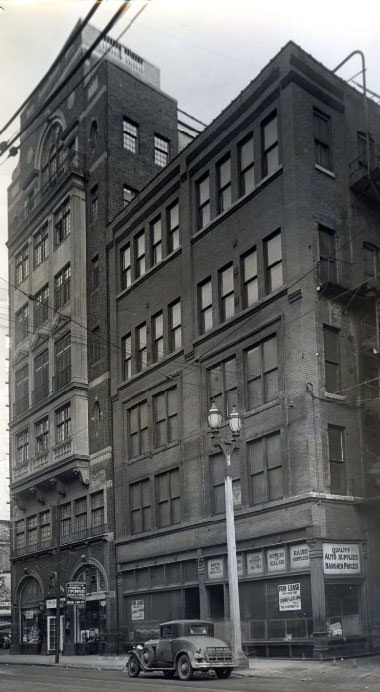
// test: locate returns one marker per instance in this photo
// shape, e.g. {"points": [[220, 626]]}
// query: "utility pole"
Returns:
{"points": [[58, 582]]}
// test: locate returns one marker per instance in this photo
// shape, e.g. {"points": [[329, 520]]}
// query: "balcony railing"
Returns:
{"points": [[40, 460], [21, 405], [63, 449], [20, 471], [88, 532], [40, 393], [43, 544], [62, 378]]}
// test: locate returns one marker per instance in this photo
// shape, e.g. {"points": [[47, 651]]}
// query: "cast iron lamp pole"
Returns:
{"points": [[215, 422]]}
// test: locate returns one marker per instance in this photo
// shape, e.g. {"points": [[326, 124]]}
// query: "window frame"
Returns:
{"points": [[161, 150], [175, 326], [41, 307], [130, 136], [141, 433], [271, 286], [224, 184], [173, 228], [261, 376], [170, 499], [140, 254], [267, 460], [21, 324], [62, 222], [158, 337], [164, 417], [62, 287], [141, 508], [41, 245], [267, 149], [126, 350], [249, 279], [336, 462], [156, 241], [203, 202], [248, 166], [141, 347], [226, 293], [22, 265], [322, 140], [62, 420]]}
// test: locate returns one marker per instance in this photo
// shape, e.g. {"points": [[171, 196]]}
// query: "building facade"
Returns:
{"points": [[246, 273], [85, 151]]}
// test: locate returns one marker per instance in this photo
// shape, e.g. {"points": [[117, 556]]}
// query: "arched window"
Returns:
{"points": [[30, 600], [52, 155], [92, 577]]}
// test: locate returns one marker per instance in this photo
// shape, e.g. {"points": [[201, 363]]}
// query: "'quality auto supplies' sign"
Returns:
{"points": [[341, 558]]}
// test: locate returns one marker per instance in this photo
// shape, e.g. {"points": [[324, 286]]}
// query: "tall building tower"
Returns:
{"points": [[84, 154]]}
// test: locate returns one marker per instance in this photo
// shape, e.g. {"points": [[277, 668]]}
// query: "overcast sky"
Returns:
{"points": [[207, 50]]}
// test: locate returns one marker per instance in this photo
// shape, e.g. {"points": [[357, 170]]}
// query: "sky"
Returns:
{"points": [[207, 51]]}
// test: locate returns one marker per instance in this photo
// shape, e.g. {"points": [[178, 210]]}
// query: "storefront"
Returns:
{"points": [[30, 623]]}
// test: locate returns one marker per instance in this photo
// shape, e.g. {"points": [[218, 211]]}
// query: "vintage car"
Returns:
{"points": [[184, 646]]}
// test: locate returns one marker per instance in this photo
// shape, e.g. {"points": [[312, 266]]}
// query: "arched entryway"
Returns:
{"points": [[90, 619], [30, 623]]}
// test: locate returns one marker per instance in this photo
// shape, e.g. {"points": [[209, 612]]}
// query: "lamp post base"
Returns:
{"points": [[241, 659]]}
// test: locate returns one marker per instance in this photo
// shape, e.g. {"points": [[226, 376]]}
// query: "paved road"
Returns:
{"points": [[14, 678]]}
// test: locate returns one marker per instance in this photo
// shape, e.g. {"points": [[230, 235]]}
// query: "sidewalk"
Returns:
{"points": [[361, 669]]}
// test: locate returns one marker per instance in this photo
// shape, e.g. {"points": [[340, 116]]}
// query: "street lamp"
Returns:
{"points": [[215, 421]]}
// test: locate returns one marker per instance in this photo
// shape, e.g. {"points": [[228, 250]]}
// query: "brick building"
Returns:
{"points": [[246, 273], [84, 153]]}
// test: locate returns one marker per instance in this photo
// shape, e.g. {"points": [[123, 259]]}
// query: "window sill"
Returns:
{"points": [[148, 273], [326, 171]]}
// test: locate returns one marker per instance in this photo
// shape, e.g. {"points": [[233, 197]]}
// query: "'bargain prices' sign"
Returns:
{"points": [[341, 558]]}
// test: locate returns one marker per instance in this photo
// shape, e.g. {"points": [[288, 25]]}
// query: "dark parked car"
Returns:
{"points": [[184, 646]]}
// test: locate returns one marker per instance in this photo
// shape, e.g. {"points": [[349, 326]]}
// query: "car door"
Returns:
{"points": [[164, 650]]}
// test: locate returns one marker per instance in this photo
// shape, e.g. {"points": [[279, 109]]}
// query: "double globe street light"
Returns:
{"points": [[215, 422]]}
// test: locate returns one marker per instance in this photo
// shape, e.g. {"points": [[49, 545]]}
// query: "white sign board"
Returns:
{"points": [[255, 563], [137, 609], [289, 597], [215, 569], [276, 559], [299, 556], [341, 558]]}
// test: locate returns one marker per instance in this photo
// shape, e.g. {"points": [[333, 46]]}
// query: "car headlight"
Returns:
{"points": [[198, 654]]}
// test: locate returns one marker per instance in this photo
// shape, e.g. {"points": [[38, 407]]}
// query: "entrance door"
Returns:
{"points": [[192, 605], [216, 601], [51, 622]]}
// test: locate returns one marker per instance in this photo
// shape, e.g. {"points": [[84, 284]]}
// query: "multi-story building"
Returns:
{"points": [[247, 273], [85, 151]]}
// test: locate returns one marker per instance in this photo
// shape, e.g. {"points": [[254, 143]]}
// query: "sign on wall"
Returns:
{"points": [[240, 565], [341, 558], [255, 563], [75, 592], [276, 559], [299, 556], [137, 609], [215, 569], [289, 597]]}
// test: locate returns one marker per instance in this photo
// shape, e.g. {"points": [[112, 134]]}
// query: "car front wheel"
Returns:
{"points": [[184, 669], [223, 672], [133, 667]]}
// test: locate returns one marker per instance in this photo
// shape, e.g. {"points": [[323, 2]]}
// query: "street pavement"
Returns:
{"points": [[363, 671]]}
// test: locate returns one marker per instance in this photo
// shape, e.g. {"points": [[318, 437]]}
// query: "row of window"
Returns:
{"points": [[41, 305], [41, 249], [75, 517], [131, 142], [42, 435], [148, 343], [149, 246]]}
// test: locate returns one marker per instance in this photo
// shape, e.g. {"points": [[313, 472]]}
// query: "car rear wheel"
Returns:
{"points": [[223, 672], [184, 669], [133, 667]]}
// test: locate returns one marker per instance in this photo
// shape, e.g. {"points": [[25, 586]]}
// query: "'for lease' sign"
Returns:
{"points": [[341, 558]]}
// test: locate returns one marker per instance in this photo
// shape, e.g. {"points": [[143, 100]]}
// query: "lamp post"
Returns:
{"points": [[215, 421]]}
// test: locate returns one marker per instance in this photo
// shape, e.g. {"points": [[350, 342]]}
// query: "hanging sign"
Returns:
{"points": [[341, 558], [289, 597]]}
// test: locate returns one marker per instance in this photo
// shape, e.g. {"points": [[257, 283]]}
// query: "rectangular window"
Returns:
{"points": [[94, 203], [41, 429], [138, 430], [222, 385], [173, 227], [265, 469], [41, 246], [62, 361], [270, 147], [22, 324], [41, 377], [126, 276], [336, 459], [95, 273], [161, 151], [205, 306], [31, 530], [203, 202], [62, 223], [322, 139], [128, 195], [226, 293], [65, 517], [63, 423], [22, 447], [250, 293], [168, 498], [126, 349], [140, 267], [371, 255], [21, 390], [246, 166], [41, 307], [80, 509], [175, 327], [22, 265], [156, 241], [273, 262], [45, 526], [217, 476], [20, 533], [261, 363], [327, 256], [165, 417], [224, 184], [332, 359], [97, 508], [157, 337], [141, 348], [62, 287], [140, 506], [130, 136]]}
